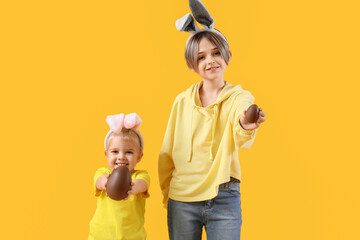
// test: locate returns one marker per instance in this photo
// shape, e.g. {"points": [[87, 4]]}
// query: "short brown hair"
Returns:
{"points": [[192, 47]]}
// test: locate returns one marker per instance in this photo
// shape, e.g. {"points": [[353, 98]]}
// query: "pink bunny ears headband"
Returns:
{"points": [[202, 16], [130, 121]]}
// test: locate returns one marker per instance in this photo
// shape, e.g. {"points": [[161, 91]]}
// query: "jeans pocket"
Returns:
{"points": [[234, 185], [234, 188]]}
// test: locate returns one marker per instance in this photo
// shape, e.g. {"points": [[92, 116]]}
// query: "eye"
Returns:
{"points": [[129, 152], [114, 151], [200, 58], [217, 53]]}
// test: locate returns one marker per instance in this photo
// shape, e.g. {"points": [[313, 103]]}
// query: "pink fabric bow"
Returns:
{"points": [[117, 122]]}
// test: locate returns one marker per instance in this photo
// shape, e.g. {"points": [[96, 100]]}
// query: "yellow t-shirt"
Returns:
{"points": [[119, 220]]}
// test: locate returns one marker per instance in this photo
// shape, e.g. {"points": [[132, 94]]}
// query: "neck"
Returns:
{"points": [[213, 86]]}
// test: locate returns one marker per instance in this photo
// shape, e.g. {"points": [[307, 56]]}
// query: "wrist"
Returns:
{"points": [[243, 126]]}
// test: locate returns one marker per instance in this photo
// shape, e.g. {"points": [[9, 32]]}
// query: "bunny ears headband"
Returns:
{"points": [[130, 121], [201, 14]]}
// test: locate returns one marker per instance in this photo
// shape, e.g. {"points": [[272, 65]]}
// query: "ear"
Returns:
{"points": [[105, 152], [230, 55]]}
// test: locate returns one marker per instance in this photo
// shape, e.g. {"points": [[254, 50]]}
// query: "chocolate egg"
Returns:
{"points": [[252, 114], [119, 183]]}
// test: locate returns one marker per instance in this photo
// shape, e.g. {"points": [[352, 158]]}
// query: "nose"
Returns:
{"points": [[121, 156], [210, 60]]}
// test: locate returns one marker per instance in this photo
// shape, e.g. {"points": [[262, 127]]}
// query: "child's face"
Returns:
{"points": [[123, 152], [211, 65]]}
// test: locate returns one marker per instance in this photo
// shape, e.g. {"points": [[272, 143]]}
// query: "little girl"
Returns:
{"points": [[199, 170], [124, 219]]}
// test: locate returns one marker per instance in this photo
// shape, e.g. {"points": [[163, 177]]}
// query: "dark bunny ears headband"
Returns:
{"points": [[188, 24]]}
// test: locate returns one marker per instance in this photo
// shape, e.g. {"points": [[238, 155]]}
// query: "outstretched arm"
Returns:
{"points": [[101, 182], [138, 186]]}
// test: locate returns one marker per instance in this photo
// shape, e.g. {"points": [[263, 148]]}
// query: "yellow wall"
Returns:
{"points": [[65, 65]]}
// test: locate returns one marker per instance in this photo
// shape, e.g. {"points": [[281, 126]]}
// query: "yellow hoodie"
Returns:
{"points": [[199, 150]]}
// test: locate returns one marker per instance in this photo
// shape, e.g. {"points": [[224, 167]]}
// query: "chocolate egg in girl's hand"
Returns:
{"points": [[119, 183], [252, 114]]}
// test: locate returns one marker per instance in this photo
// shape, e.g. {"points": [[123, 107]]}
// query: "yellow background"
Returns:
{"points": [[65, 65]]}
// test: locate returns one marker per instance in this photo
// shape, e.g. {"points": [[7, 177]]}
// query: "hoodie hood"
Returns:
{"points": [[192, 93]]}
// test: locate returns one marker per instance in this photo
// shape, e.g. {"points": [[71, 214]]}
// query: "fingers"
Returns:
{"points": [[261, 118], [251, 126], [129, 193]]}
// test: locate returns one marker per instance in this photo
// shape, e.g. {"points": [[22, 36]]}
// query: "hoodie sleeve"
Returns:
{"points": [[166, 164], [243, 138]]}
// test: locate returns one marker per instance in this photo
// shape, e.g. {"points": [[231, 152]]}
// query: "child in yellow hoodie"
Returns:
{"points": [[199, 170]]}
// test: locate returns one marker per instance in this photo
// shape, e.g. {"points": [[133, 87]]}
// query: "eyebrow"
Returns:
{"points": [[211, 50]]}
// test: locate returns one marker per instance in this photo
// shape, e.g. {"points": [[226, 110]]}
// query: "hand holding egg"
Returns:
{"points": [[252, 118], [119, 183]]}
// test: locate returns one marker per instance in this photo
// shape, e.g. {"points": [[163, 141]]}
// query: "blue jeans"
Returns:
{"points": [[221, 216]]}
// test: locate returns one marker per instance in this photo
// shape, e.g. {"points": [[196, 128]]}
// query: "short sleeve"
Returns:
{"points": [[98, 173], [142, 174]]}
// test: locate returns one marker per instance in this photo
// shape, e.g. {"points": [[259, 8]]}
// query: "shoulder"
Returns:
{"points": [[238, 98], [242, 95], [243, 99], [141, 174], [103, 171], [187, 94], [180, 97]]}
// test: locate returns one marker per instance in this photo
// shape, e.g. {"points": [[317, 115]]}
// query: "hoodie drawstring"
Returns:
{"points": [[191, 134], [213, 131], [215, 117]]}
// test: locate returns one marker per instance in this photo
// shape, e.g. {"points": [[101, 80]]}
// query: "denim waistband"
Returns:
{"points": [[233, 181]]}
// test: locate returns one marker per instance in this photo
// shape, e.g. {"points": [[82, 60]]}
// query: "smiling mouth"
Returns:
{"points": [[122, 164], [212, 68]]}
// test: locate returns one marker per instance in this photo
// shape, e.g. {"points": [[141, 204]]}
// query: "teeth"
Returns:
{"points": [[122, 164]]}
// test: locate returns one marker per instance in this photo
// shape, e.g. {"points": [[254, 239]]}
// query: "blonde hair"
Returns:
{"points": [[192, 47], [128, 134]]}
